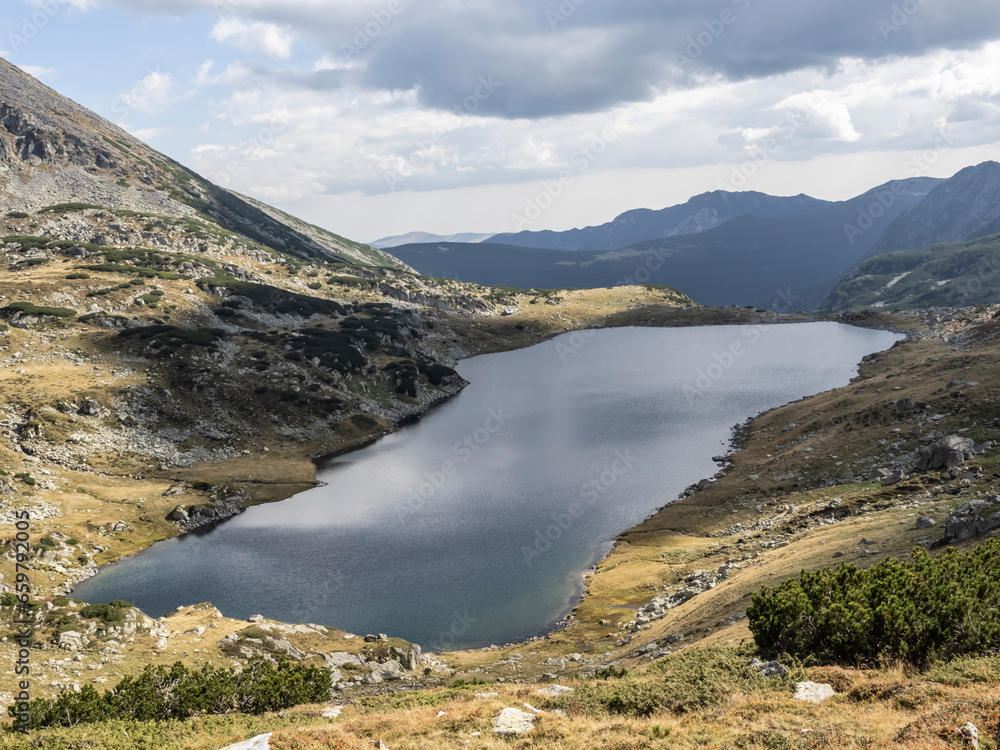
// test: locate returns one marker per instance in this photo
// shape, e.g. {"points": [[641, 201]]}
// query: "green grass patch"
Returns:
{"points": [[62, 208], [29, 308]]}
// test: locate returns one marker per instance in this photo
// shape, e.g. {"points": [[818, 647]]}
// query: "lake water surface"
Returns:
{"points": [[474, 525]]}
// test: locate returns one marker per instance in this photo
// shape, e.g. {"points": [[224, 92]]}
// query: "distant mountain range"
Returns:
{"points": [[412, 237], [909, 268], [792, 260], [765, 251], [700, 214]]}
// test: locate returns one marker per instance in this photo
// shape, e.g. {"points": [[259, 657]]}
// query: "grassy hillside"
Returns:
{"points": [[948, 275]]}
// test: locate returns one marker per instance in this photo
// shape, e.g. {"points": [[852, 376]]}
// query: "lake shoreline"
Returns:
{"points": [[582, 574]]}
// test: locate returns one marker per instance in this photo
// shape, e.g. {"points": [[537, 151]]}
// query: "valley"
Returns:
{"points": [[173, 353]]}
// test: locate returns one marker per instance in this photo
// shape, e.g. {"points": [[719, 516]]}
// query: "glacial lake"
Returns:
{"points": [[476, 524]]}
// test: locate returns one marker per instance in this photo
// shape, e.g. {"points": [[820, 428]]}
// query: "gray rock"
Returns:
{"points": [[260, 742], [970, 734], [948, 453], [71, 640], [772, 669], [814, 692], [331, 712], [512, 722], [373, 678], [554, 690], [925, 522]]}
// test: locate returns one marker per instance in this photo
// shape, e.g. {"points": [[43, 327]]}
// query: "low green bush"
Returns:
{"points": [[161, 694], [921, 612], [28, 308]]}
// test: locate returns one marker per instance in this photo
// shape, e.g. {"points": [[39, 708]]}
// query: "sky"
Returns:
{"points": [[379, 117]]}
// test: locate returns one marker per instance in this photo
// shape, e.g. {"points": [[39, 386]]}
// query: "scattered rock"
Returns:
{"points": [[553, 690], [948, 453], [972, 519], [769, 669], [260, 742], [925, 522], [814, 692], [970, 734], [512, 722]]}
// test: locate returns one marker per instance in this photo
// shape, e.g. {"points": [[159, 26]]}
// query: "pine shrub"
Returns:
{"points": [[920, 612]]}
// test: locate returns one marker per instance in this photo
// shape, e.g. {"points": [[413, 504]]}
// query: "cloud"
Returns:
{"points": [[150, 95], [263, 38], [41, 73], [148, 134], [579, 56]]}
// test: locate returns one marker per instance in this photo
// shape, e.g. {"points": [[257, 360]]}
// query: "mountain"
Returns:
{"points": [[946, 275], [413, 237], [962, 207], [789, 261], [699, 214], [53, 151]]}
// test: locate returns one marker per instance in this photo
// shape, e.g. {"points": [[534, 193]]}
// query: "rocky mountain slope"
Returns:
{"points": [[54, 151], [963, 207], [946, 275], [699, 214]]}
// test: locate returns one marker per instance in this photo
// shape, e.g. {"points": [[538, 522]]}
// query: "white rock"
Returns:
{"points": [[553, 690], [513, 721], [814, 692], [260, 742], [331, 712]]}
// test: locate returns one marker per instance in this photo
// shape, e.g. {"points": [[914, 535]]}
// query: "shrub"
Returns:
{"points": [[78, 276], [683, 683], [917, 612], [161, 694], [17, 215], [62, 208], [27, 308]]}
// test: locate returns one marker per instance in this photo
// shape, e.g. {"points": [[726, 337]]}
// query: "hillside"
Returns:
{"points": [[945, 275], [698, 214], [171, 354], [960, 208], [54, 151]]}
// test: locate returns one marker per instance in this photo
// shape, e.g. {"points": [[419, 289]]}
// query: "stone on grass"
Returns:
{"points": [[553, 690], [512, 722], [814, 692]]}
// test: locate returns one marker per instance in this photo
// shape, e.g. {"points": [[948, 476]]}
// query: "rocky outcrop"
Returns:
{"points": [[949, 453], [974, 518], [512, 722]]}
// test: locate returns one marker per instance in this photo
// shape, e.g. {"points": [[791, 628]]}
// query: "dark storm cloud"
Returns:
{"points": [[572, 56]]}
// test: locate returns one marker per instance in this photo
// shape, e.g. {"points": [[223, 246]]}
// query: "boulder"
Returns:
{"points": [[948, 453], [813, 692], [554, 690], [925, 522], [71, 640], [512, 722], [974, 518]]}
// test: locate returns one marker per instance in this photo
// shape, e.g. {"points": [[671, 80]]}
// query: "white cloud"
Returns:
{"points": [[264, 38], [151, 95], [148, 134], [41, 73]]}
